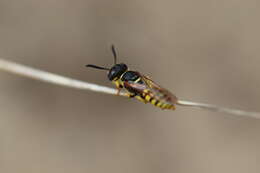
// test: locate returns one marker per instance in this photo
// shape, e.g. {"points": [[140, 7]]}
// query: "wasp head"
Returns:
{"points": [[116, 71]]}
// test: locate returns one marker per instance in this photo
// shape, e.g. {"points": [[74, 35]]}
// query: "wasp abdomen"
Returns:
{"points": [[156, 102]]}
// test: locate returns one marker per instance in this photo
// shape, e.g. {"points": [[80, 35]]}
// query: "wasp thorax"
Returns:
{"points": [[116, 71]]}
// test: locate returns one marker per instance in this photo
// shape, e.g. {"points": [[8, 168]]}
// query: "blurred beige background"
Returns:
{"points": [[202, 50]]}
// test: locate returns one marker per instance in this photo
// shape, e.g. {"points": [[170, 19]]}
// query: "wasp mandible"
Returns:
{"points": [[139, 86]]}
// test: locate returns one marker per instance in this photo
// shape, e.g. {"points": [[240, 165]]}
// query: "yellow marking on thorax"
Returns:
{"points": [[137, 80], [118, 82]]}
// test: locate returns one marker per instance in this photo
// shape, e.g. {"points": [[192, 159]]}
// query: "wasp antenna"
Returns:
{"points": [[97, 67], [114, 53]]}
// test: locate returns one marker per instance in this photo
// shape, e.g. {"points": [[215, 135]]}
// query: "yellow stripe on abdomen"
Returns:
{"points": [[153, 101], [148, 98], [158, 103]]}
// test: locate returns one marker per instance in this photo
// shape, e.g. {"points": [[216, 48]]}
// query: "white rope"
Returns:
{"points": [[33, 73], [216, 108]]}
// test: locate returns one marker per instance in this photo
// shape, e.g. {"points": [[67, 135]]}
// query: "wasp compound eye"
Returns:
{"points": [[116, 71]]}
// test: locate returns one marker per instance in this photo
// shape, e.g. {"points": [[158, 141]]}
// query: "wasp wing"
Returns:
{"points": [[158, 91], [150, 87], [136, 88]]}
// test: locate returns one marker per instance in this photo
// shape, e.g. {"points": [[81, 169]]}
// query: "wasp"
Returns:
{"points": [[137, 85]]}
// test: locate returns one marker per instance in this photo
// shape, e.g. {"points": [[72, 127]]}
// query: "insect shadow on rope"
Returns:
{"points": [[138, 86]]}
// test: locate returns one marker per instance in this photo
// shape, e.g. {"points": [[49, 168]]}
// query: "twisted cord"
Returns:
{"points": [[44, 76]]}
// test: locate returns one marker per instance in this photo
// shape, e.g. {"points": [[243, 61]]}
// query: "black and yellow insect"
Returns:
{"points": [[138, 85]]}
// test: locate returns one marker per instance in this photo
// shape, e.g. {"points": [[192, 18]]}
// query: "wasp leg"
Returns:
{"points": [[118, 91], [131, 95], [118, 87]]}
